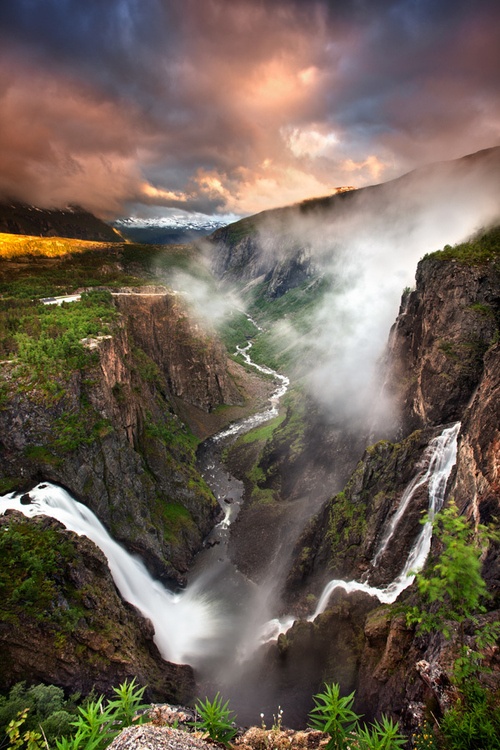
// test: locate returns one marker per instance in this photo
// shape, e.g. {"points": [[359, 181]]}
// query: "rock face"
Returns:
{"points": [[114, 438], [238, 256], [193, 363], [73, 222], [446, 365], [440, 338], [70, 628]]}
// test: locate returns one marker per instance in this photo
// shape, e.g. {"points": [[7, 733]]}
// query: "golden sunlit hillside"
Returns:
{"points": [[15, 245]]}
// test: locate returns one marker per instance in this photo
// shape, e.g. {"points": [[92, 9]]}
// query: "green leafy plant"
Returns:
{"points": [[44, 708], [452, 596], [127, 706], [30, 739], [384, 735], [333, 714], [98, 724], [451, 588], [216, 719]]}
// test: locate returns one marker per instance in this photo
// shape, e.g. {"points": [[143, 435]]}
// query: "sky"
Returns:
{"points": [[230, 107]]}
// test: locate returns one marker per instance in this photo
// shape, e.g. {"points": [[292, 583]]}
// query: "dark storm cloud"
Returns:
{"points": [[237, 104]]}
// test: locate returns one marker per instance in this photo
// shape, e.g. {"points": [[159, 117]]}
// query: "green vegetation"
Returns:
{"points": [[452, 587], [334, 715], [263, 433], [39, 707], [98, 723], [40, 717], [346, 523], [452, 597], [482, 248], [288, 322], [235, 330], [46, 342], [216, 719], [30, 566]]}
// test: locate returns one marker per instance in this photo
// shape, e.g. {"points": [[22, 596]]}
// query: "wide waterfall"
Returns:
{"points": [[185, 623], [212, 618]]}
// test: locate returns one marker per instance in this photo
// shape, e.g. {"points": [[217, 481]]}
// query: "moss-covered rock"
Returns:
{"points": [[62, 621]]}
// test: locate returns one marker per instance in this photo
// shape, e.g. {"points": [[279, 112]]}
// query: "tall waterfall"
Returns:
{"points": [[185, 623], [441, 455], [438, 461]]}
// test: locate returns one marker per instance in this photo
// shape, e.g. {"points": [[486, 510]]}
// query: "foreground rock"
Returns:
{"points": [[151, 737]]}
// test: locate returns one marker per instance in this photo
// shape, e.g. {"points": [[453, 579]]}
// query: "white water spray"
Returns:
{"points": [[185, 623], [439, 458]]}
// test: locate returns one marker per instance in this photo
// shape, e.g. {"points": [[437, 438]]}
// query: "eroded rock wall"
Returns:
{"points": [[113, 438], [74, 631], [440, 339]]}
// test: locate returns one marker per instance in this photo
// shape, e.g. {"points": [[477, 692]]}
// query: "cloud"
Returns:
{"points": [[164, 94]]}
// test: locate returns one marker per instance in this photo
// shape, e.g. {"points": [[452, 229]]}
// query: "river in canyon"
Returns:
{"points": [[220, 622]]}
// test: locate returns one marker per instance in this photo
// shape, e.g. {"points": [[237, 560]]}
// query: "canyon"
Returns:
{"points": [[320, 483]]}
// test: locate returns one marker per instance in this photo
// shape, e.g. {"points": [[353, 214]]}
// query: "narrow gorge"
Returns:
{"points": [[256, 483]]}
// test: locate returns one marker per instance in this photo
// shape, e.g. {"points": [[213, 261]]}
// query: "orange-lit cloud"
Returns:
{"points": [[237, 104]]}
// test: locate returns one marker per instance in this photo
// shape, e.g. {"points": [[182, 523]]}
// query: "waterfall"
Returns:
{"points": [[206, 617], [440, 458], [185, 623], [442, 455]]}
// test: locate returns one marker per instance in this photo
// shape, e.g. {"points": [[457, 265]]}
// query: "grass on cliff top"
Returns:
{"points": [[17, 245], [45, 342], [33, 267], [481, 249]]}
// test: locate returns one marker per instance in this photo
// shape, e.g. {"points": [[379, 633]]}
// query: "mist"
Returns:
{"points": [[368, 245]]}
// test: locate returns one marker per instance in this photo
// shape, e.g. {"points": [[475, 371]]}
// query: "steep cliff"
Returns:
{"points": [[111, 434], [440, 338], [63, 622], [445, 359], [286, 246]]}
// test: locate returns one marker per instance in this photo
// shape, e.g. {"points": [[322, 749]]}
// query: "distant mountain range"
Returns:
{"points": [[170, 230]]}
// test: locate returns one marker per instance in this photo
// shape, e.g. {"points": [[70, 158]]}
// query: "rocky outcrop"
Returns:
{"points": [[192, 362], [262, 249], [477, 485], [63, 622], [440, 338], [113, 438]]}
